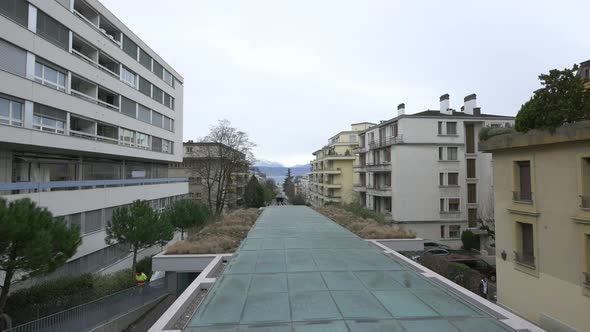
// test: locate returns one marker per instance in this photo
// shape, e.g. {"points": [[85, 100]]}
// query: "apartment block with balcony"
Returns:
{"points": [[332, 177], [424, 169], [90, 117], [205, 165], [542, 210]]}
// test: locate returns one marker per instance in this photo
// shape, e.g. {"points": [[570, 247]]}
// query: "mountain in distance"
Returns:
{"points": [[277, 171]]}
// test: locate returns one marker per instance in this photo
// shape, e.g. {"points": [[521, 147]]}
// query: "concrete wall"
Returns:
{"points": [[403, 244], [121, 323], [554, 286]]}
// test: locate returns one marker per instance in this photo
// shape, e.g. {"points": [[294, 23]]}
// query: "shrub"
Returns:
{"points": [[60, 294], [298, 200], [468, 239], [222, 235], [362, 212], [489, 132], [461, 274]]}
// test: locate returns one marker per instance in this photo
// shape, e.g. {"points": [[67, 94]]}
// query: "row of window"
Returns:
{"points": [[58, 34], [53, 120], [451, 153], [450, 205], [451, 128], [56, 78], [454, 232]]}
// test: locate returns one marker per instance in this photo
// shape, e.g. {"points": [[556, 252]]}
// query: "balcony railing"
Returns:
{"points": [[88, 98], [13, 188], [586, 279], [526, 259], [386, 142], [585, 202], [522, 196]]}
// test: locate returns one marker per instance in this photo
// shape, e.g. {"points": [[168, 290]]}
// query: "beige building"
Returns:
{"points": [[542, 209], [215, 171], [332, 176]]}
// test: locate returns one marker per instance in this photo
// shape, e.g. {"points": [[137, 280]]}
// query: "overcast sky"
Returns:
{"points": [[294, 73]]}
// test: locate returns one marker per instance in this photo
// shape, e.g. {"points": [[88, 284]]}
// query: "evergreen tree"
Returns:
{"points": [[32, 241], [251, 192], [139, 226], [186, 214], [288, 186]]}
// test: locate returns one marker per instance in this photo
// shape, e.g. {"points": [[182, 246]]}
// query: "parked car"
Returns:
{"points": [[475, 263], [433, 252], [430, 245]]}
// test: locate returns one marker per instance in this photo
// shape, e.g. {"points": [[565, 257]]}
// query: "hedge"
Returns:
{"points": [[460, 274], [56, 295]]}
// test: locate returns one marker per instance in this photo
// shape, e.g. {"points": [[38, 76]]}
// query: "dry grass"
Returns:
{"points": [[366, 228], [223, 235]]}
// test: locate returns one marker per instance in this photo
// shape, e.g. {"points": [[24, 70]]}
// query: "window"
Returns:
{"points": [[440, 126], [526, 248], [52, 30], [189, 149], [440, 153], [49, 119], [471, 168], [17, 10], [13, 59], [11, 112], [158, 69], [128, 107], [167, 123], [168, 78], [130, 47], [128, 76], [453, 205], [156, 144], [451, 128], [454, 231], [472, 218], [452, 153], [524, 191], [453, 179], [143, 141], [108, 131], [198, 180], [471, 193], [496, 125], [442, 231], [157, 119], [49, 76], [470, 138], [442, 205], [145, 59], [126, 137], [166, 146], [441, 179], [144, 114], [92, 221], [158, 94], [75, 219], [145, 86]]}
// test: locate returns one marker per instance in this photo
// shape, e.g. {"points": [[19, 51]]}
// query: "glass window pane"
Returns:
{"points": [[38, 69], [50, 74], [62, 80], [17, 110], [144, 114], [145, 87], [4, 108], [158, 69], [157, 119]]}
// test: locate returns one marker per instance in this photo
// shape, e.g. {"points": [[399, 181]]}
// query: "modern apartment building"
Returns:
{"points": [[542, 209], [90, 117], [332, 177], [211, 167], [425, 170]]}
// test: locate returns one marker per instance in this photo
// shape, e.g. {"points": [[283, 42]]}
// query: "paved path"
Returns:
{"points": [[299, 271]]}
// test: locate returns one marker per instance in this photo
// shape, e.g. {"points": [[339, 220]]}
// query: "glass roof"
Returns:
{"points": [[299, 271]]}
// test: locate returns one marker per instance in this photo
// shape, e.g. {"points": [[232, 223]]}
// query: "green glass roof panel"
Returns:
{"points": [[403, 304], [313, 305], [266, 307], [375, 326]]}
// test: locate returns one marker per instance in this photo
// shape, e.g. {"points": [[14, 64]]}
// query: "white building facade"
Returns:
{"points": [[90, 117], [424, 170]]}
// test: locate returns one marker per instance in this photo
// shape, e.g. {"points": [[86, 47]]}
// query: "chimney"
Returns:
{"points": [[190, 141], [477, 111], [401, 109], [470, 103], [445, 104]]}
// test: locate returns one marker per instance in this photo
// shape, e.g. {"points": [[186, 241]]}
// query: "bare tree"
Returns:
{"points": [[224, 152]]}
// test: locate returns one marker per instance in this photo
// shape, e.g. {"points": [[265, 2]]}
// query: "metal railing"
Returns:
{"points": [[16, 187], [386, 142], [89, 315], [526, 259], [586, 279], [522, 196]]}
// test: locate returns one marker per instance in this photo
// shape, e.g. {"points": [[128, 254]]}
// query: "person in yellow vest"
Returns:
{"points": [[140, 278]]}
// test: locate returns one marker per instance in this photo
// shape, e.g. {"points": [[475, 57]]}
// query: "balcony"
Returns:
{"points": [[586, 279], [522, 197], [526, 259], [380, 190], [383, 166], [359, 187], [94, 94], [386, 142], [95, 57], [332, 184], [585, 202], [450, 215], [17, 188], [359, 149], [92, 18], [331, 170], [339, 156], [359, 167]]}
